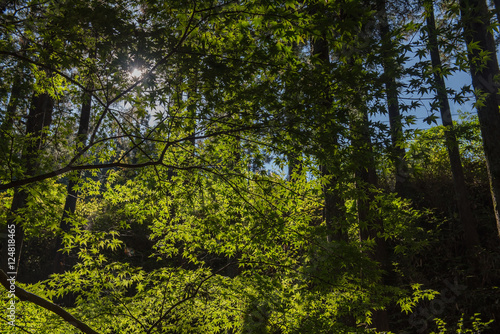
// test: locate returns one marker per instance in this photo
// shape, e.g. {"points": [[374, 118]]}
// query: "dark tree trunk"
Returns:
{"points": [[464, 208], [71, 198], [369, 225], [334, 208], [484, 72], [39, 117], [395, 124], [333, 211], [294, 163]]}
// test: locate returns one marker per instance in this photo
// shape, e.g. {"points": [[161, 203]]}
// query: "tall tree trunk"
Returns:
{"points": [[464, 207], [484, 71], [369, 225], [333, 210], [72, 195], [294, 163], [39, 117], [391, 87]]}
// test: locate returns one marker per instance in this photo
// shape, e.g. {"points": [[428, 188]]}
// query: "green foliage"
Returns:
{"points": [[477, 325], [408, 304], [428, 155], [185, 221]]}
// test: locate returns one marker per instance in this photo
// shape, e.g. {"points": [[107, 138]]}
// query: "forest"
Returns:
{"points": [[249, 166]]}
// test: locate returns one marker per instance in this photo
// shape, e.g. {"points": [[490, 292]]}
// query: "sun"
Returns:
{"points": [[136, 73]]}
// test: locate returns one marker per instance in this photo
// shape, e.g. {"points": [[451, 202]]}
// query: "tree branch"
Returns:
{"points": [[159, 161], [28, 296]]}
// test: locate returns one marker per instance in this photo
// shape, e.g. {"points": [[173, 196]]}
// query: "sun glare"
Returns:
{"points": [[136, 73]]}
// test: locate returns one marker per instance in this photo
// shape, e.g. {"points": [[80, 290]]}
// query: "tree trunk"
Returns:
{"points": [[39, 117], [484, 72], [369, 226], [294, 163], [71, 198], [333, 210], [395, 124], [464, 208]]}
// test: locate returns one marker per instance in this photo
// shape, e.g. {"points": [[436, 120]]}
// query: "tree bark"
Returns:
{"points": [[391, 87], [484, 71], [464, 207], [333, 210], [369, 225], [72, 196], [294, 163], [39, 118]]}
